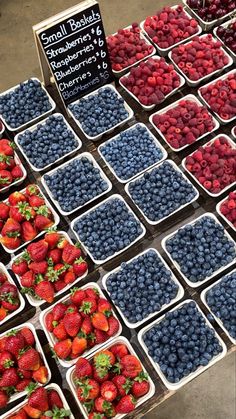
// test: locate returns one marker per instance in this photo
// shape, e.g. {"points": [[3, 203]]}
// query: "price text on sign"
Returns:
{"points": [[77, 53]]}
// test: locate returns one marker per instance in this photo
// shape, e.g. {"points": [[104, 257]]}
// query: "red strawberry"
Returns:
{"points": [[86, 326], [5, 178], [54, 399], [3, 277], [29, 360], [123, 384], [11, 163], [20, 415], [45, 291], [10, 242], [28, 231], [24, 373], [99, 321], [38, 250], [100, 336], [49, 322], [54, 255], [72, 322], [9, 378], [52, 238], [10, 303], [126, 404], [59, 270], [69, 277], [58, 311], [42, 223], [16, 197], [79, 345], [80, 267], [26, 211], [108, 391], [5, 162], [103, 406], [70, 253], [3, 399], [95, 415], [11, 228], [21, 386], [83, 368], [14, 342], [7, 147], [62, 243], [36, 201], [27, 280], [4, 211], [19, 266], [92, 293], [8, 289], [63, 348], [103, 361], [32, 189], [113, 326], [88, 305], [101, 379], [39, 267], [41, 375], [28, 336], [104, 306], [130, 366], [119, 350], [59, 331], [17, 172], [39, 399], [6, 360], [88, 390], [31, 412], [140, 386], [77, 295], [16, 214]]}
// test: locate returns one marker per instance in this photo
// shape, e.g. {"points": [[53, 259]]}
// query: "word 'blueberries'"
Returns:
{"points": [[201, 248], [76, 183], [24, 103], [131, 152], [48, 142], [221, 299], [141, 287], [182, 342], [161, 191], [108, 229], [99, 112]]}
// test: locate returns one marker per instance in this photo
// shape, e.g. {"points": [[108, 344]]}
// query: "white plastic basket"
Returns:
{"points": [[38, 347], [222, 215], [192, 98], [2, 129], [34, 128], [12, 314], [178, 297], [21, 127], [178, 209], [233, 132], [18, 181], [185, 380], [79, 157], [99, 136], [225, 25], [155, 141], [141, 400], [51, 338], [114, 196], [177, 266]]}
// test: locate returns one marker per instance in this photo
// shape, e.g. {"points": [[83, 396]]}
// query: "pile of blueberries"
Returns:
{"points": [[108, 229], [161, 191], [99, 112], [48, 142], [76, 184], [26, 102], [131, 152], [221, 299], [142, 286], [182, 342], [201, 248]]}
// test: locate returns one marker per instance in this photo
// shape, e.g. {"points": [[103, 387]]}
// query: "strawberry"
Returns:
{"points": [[27, 280], [69, 277], [8, 289], [103, 361], [19, 267], [16, 214], [70, 253], [113, 326], [19, 415], [92, 293], [52, 238], [17, 172], [72, 322], [7, 147], [83, 368], [21, 386], [16, 197], [80, 267], [54, 399], [45, 291], [42, 223], [104, 306], [86, 326], [95, 415], [99, 321], [4, 211], [38, 250], [108, 391], [10, 303], [38, 399], [32, 189], [59, 272], [126, 404], [130, 366], [10, 242], [63, 348], [28, 231], [103, 406], [9, 378], [141, 385], [31, 412], [49, 322], [6, 360], [29, 360], [39, 267], [4, 162], [60, 332], [11, 163], [11, 228], [54, 255], [28, 336], [100, 336], [26, 211], [3, 277], [98, 378], [62, 243], [123, 384], [14, 342], [3, 399], [58, 311], [77, 295], [88, 305], [41, 375], [36, 201], [59, 285], [79, 345], [88, 389], [24, 373], [5, 178]]}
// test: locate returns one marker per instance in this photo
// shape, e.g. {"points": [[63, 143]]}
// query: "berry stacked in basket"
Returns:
{"points": [[9, 296], [10, 168], [228, 208], [210, 10], [228, 35]]}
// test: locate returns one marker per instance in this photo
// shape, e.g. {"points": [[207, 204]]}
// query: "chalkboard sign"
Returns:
{"points": [[74, 45]]}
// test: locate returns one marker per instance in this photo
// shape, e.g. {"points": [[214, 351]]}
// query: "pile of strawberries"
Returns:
{"points": [[111, 383], [126, 47], [184, 124], [200, 57], [81, 322], [170, 26], [214, 165], [20, 363], [42, 403], [151, 81], [221, 96], [10, 169], [23, 216], [228, 208], [49, 265], [9, 297]]}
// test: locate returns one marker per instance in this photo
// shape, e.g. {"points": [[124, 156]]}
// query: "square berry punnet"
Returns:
{"points": [[173, 106], [233, 132], [232, 206], [225, 25]]}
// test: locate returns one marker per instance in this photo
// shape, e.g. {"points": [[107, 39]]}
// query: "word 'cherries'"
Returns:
{"points": [[200, 57], [209, 10], [151, 81], [170, 26], [214, 165], [228, 208], [184, 124], [127, 47]]}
